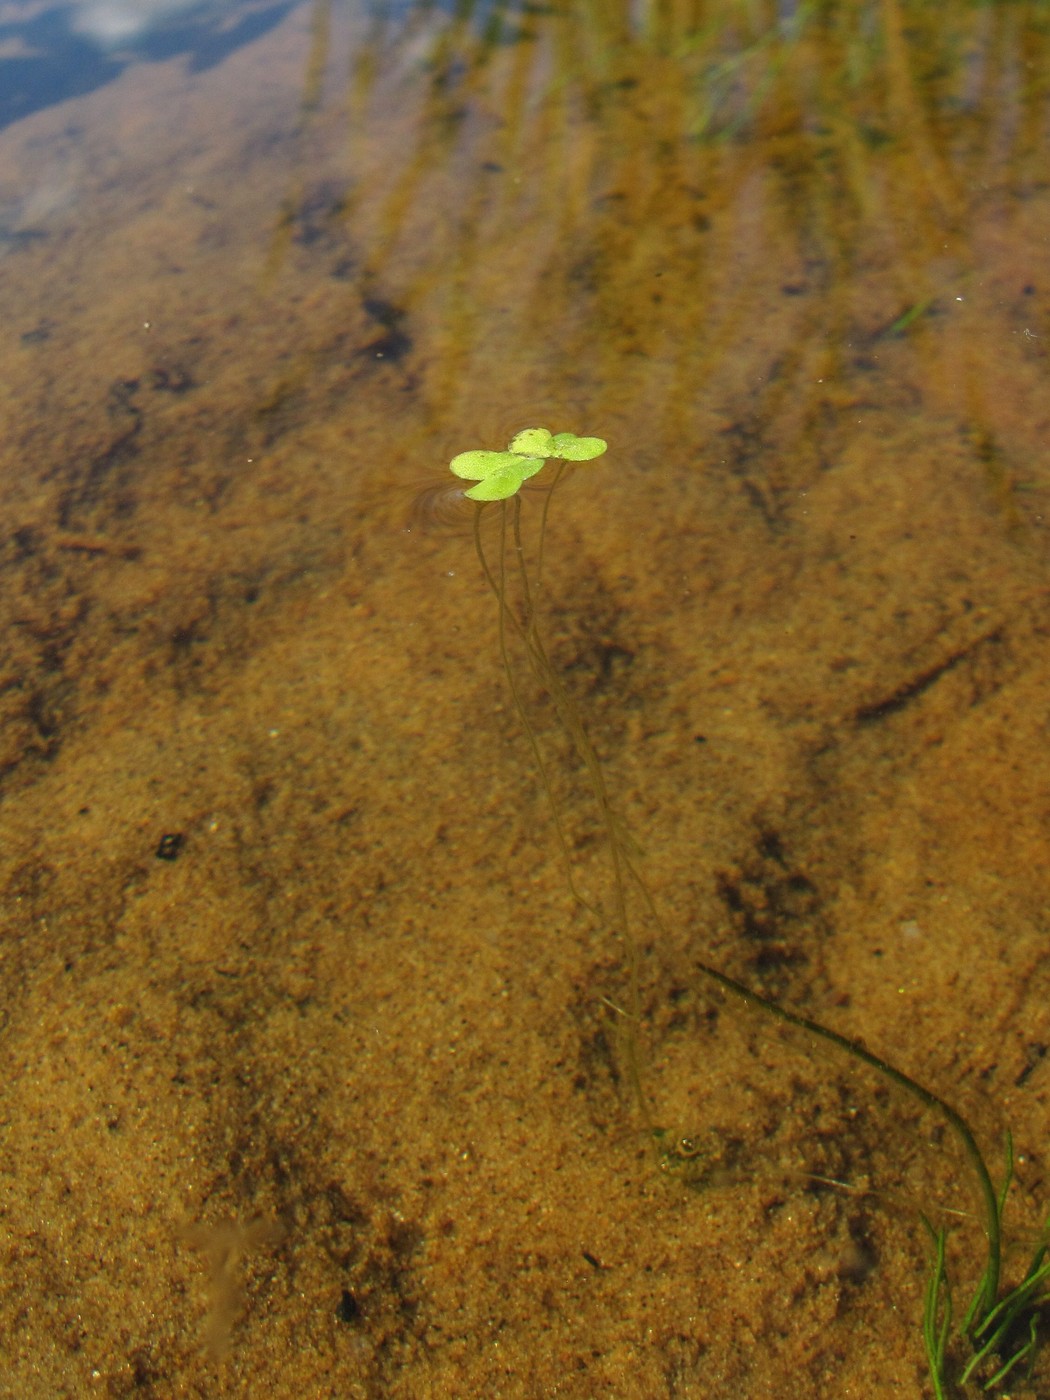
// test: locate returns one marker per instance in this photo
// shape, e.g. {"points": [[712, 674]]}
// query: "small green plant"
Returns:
{"points": [[501, 475], [513, 573], [1001, 1330]]}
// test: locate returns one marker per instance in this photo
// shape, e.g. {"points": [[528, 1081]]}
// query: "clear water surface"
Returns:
{"points": [[318, 1076]]}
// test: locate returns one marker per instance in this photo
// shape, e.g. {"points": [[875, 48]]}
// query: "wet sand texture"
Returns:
{"points": [[314, 1072]]}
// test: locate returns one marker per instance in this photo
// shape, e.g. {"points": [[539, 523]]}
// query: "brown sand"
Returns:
{"points": [[314, 1084]]}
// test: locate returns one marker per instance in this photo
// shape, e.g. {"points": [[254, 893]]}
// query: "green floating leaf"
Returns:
{"points": [[477, 466], [499, 486], [577, 449], [501, 474], [498, 474], [533, 442]]}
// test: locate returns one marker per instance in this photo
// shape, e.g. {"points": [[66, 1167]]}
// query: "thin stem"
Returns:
{"points": [[989, 1290], [621, 866], [498, 583], [620, 863]]}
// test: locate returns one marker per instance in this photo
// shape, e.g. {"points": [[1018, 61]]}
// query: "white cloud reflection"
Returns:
{"points": [[111, 23]]}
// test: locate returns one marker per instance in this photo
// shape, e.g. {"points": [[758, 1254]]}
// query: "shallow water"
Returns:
{"points": [[317, 1074]]}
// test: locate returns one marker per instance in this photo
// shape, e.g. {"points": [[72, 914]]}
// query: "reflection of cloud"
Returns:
{"points": [[15, 48], [54, 53], [111, 22]]}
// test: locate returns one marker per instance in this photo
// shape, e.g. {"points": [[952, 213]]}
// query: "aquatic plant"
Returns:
{"points": [[501, 474], [499, 477], [1002, 1329], [1003, 1332]]}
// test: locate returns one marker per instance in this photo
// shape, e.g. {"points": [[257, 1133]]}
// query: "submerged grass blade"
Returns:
{"points": [[938, 1305], [989, 1287]]}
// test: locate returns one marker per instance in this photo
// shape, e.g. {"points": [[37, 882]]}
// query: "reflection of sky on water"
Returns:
{"points": [[51, 55]]}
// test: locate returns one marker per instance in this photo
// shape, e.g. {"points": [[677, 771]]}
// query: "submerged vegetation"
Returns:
{"points": [[1001, 1327]]}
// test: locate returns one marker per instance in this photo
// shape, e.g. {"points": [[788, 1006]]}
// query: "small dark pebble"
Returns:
{"points": [[171, 843]]}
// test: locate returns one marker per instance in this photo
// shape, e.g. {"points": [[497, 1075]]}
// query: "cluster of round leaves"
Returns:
{"points": [[501, 474]]}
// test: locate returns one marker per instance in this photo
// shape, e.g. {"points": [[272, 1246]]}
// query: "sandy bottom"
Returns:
{"points": [[317, 1076]]}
